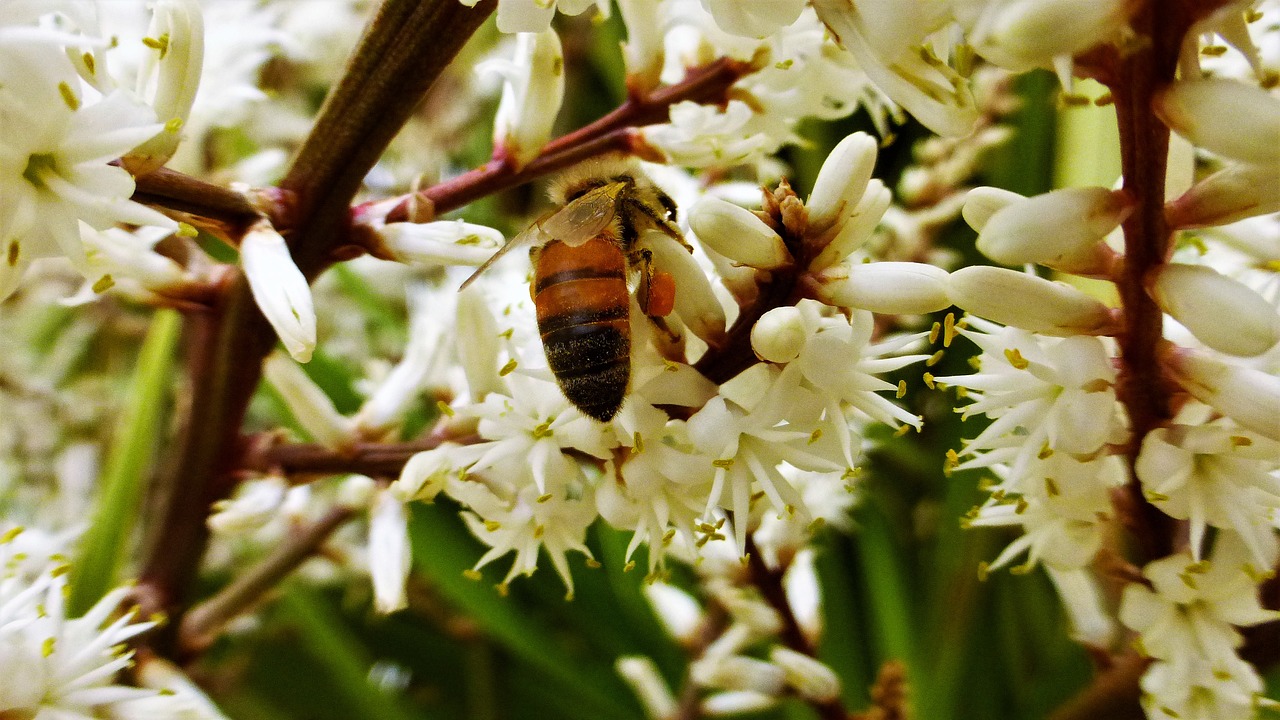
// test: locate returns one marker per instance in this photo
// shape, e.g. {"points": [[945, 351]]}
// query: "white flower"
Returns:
{"points": [[1059, 229], [56, 666], [169, 78], [706, 136], [746, 448], [525, 522], [280, 289], [902, 46], [1040, 392], [1062, 506], [1186, 621], [54, 172], [1214, 475], [423, 356], [659, 492], [533, 87], [389, 554], [1249, 397], [1025, 34], [179, 698]]}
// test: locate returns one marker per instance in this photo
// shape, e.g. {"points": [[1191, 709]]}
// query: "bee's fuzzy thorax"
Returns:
{"points": [[594, 173]]}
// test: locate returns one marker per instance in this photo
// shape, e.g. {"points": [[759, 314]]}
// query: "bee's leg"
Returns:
{"points": [[656, 294], [665, 222]]}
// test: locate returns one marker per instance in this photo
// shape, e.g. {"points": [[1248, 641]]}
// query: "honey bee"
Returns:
{"points": [[584, 252]]}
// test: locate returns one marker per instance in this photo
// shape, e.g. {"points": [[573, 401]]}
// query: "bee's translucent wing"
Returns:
{"points": [[530, 233], [585, 217], [573, 224]]}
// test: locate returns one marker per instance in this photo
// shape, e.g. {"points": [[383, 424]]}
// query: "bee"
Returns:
{"points": [[583, 254]]}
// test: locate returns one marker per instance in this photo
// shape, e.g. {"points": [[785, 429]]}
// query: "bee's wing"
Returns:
{"points": [[530, 233], [584, 218], [573, 224]]}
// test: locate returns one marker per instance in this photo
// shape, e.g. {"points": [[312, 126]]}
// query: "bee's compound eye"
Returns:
{"points": [[658, 296]]}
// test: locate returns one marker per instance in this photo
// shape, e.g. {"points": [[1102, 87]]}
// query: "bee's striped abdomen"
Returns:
{"points": [[584, 318]]}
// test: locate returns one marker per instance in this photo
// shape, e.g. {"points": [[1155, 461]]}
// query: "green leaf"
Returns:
{"points": [[124, 478], [342, 655], [442, 550]]}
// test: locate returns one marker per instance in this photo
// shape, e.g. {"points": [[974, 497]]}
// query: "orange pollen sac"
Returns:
{"points": [[662, 295]]}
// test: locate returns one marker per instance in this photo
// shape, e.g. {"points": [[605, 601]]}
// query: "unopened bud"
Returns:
{"points": [[646, 682], [1222, 313], [738, 234], [1226, 117], [531, 97], [696, 302], [308, 404], [811, 679], [1041, 306], [738, 672], [842, 181], [676, 610], [1049, 228], [1028, 34], [280, 289], [1235, 192], [1249, 397], [778, 336], [447, 242], [898, 288]]}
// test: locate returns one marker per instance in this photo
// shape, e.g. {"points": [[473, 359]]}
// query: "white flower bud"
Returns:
{"points": [[899, 288], [389, 554], [643, 49], [810, 678], [804, 594], [1235, 192], [646, 682], [168, 79], [1082, 599], [842, 181], [981, 203], [738, 234], [1041, 306], [737, 703], [531, 96], [1047, 228], [478, 346], [738, 672], [255, 504], [423, 476], [1226, 117], [1222, 313], [676, 610], [1249, 397], [310, 406], [280, 289], [356, 491], [1028, 34], [447, 242], [779, 335], [857, 226], [696, 302]]}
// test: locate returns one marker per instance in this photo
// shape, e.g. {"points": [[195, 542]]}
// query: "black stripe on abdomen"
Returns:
{"points": [[586, 272]]}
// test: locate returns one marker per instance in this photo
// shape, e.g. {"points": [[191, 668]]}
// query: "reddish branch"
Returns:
{"points": [[612, 133]]}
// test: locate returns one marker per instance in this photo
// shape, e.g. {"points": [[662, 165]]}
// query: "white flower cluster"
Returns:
{"points": [[1059, 439], [52, 665], [778, 442]]}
